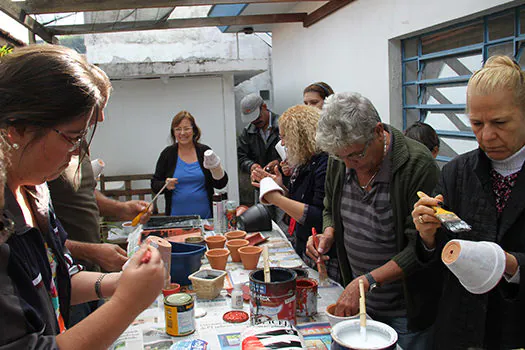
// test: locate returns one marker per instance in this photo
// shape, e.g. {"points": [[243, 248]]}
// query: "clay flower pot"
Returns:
{"points": [[214, 242], [218, 258], [234, 245], [235, 235], [172, 289], [250, 256]]}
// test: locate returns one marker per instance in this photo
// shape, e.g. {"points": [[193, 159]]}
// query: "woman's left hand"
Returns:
{"points": [[258, 174]]}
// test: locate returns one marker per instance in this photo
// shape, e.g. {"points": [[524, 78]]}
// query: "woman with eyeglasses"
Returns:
{"points": [[186, 171], [303, 199], [49, 100]]}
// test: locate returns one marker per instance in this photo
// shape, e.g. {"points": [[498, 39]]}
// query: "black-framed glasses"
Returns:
{"points": [[356, 155]]}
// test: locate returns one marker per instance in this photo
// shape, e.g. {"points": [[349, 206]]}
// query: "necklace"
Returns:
{"points": [[364, 187]]}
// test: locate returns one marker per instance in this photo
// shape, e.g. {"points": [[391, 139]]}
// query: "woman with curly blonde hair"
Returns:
{"points": [[303, 200]]}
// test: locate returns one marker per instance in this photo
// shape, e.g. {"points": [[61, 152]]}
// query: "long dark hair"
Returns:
{"points": [[44, 86]]}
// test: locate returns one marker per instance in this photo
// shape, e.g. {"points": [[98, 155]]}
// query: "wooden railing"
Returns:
{"points": [[130, 191]]}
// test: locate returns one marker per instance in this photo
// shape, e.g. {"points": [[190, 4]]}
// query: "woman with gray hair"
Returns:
{"points": [[372, 178]]}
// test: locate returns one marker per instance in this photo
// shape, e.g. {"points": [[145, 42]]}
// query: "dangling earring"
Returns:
{"points": [[16, 146]]}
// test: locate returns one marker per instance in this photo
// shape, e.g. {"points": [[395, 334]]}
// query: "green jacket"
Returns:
{"points": [[413, 169]]}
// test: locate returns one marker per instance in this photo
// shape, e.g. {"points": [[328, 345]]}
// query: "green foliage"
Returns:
{"points": [[4, 50]]}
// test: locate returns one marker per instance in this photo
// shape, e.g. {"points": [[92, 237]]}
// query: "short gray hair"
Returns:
{"points": [[347, 118]]}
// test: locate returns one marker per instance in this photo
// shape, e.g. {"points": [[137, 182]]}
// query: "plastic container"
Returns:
{"points": [[346, 336], [237, 298], [185, 260]]}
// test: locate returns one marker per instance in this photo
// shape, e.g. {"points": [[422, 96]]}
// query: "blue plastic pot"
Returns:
{"points": [[185, 260]]}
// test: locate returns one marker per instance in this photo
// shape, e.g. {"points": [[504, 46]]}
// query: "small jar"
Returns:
{"points": [[237, 299]]}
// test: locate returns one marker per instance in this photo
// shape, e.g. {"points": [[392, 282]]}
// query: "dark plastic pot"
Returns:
{"points": [[256, 218]]}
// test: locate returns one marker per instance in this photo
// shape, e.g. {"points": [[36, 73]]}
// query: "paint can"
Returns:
{"points": [[274, 300], [306, 297], [346, 335], [179, 312]]}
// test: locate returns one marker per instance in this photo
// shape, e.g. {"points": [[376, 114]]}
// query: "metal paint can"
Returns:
{"points": [[274, 300], [306, 297], [179, 312]]}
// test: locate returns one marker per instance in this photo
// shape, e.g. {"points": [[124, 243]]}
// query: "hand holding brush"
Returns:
{"points": [[448, 219], [321, 266]]}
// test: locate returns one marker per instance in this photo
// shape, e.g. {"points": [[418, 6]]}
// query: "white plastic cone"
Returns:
{"points": [[281, 150], [268, 185], [479, 266], [98, 166]]}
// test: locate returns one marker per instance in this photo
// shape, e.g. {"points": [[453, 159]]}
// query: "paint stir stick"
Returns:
{"points": [[267, 276], [321, 266], [136, 220], [362, 310]]}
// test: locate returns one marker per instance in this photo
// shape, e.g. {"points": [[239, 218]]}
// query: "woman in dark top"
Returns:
{"points": [[50, 104], [303, 201], [186, 171]]}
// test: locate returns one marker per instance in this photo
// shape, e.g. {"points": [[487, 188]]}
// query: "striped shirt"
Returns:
{"points": [[369, 237]]}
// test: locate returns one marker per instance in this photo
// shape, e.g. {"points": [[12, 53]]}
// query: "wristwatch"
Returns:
{"points": [[372, 283]]}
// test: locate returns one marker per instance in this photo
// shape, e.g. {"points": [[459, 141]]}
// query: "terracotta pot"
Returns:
{"points": [[235, 235], [234, 245], [250, 256], [172, 289], [218, 258], [214, 242]]}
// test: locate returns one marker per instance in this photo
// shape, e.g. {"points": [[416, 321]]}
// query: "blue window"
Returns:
{"points": [[437, 66]]}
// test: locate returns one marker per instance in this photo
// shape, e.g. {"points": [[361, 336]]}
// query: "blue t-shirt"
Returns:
{"points": [[189, 196]]}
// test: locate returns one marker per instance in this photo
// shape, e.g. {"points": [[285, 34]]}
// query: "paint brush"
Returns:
{"points": [[136, 220], [448, 219], [362, 310], [321, 267], [267, 275]]}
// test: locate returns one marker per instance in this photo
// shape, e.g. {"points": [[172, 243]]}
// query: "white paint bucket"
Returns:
{"points": [[479, 266], [346, 335]]}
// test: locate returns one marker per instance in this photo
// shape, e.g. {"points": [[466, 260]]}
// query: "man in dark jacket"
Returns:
{"points": [[256, 144]]}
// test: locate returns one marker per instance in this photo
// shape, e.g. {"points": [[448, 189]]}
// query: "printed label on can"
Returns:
{"points": [[180, 318]]}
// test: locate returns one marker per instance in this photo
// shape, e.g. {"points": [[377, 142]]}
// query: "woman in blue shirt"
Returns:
{"points": [[181, 165]]}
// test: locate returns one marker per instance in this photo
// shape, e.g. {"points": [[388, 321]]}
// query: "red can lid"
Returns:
{"points": [[235, 316]]}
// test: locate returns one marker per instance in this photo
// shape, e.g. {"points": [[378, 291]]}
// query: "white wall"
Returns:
{"points": [[350, 49], [138, 119]]}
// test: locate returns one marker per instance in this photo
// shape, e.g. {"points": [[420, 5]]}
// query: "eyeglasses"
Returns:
{"points": [[356, 155], [74, 141], [7, 227], [180, 130]]}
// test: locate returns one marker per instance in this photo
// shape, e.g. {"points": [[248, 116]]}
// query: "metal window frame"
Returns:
{"points": [[518, 41]]}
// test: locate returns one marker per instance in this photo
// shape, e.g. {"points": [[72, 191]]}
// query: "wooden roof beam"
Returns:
{"points": [[324, 11], [60, 6], [176, 23], [18, 14]]}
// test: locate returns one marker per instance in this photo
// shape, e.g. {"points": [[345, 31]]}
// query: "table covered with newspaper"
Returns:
{"points": [[148, 329]]}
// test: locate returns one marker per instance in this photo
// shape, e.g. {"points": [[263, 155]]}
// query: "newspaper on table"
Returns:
{"points": [[212, 332]]}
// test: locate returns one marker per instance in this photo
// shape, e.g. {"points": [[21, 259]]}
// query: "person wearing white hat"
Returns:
{"points": [[256, 144]]}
